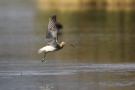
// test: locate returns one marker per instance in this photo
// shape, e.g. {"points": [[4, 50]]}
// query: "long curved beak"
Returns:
{"points": [[70, 45]]}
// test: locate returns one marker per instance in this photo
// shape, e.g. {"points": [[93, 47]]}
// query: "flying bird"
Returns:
{"points": [[51, 38]]}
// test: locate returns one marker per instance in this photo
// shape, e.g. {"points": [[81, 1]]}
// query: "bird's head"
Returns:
{"points": [[63, 43]]}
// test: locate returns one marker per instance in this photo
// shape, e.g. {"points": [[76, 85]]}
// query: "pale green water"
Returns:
{"points": [[103, 58]]}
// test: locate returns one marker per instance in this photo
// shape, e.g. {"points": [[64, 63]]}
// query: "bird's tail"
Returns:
{"points": [[40, 50]]}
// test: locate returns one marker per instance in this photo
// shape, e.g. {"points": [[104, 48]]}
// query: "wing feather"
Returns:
{"points": [[52, 32]]}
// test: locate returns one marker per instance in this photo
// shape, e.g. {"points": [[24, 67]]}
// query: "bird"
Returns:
{"points": [[51, 38]]}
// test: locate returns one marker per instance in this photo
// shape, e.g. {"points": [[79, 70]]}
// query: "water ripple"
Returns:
{"points": [[64, 68]]}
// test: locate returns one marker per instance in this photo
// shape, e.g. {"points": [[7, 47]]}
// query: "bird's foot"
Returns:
{"points": [[43, 60]]}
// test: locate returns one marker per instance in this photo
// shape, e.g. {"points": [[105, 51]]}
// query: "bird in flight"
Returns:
{"points": [[52, 38]]}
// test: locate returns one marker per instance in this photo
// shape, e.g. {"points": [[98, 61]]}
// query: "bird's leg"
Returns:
{"points": [[44, 57]]}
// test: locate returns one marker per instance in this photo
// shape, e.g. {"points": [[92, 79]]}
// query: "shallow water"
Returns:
{"points": [[53, 75], [103, 58]]}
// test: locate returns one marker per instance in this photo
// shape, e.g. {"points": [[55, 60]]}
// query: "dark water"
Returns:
{"points": [[103, 58], [58, 75]]}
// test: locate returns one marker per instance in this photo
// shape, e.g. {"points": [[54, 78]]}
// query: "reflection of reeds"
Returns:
{"points": [[82, 5]]}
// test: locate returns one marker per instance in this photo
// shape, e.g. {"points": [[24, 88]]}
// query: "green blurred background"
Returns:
{"points": [[101, 30]]}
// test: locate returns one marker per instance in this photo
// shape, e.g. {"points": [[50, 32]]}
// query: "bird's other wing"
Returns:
{"points": [[52, 32]]}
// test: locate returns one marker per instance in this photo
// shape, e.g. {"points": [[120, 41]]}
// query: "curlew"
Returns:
{"points": [[52, 38]]}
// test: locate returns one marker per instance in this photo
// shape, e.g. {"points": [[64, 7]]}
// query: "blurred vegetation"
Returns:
{"points": [[84, 5]]}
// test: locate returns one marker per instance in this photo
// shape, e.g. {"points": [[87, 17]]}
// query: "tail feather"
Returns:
{"points": [[41, 50]]}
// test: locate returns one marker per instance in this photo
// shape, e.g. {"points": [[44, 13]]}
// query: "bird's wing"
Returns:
{"points": [[52, 32]]}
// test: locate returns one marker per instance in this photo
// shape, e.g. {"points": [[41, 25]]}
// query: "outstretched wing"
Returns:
{"points": [[52, 32]]}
